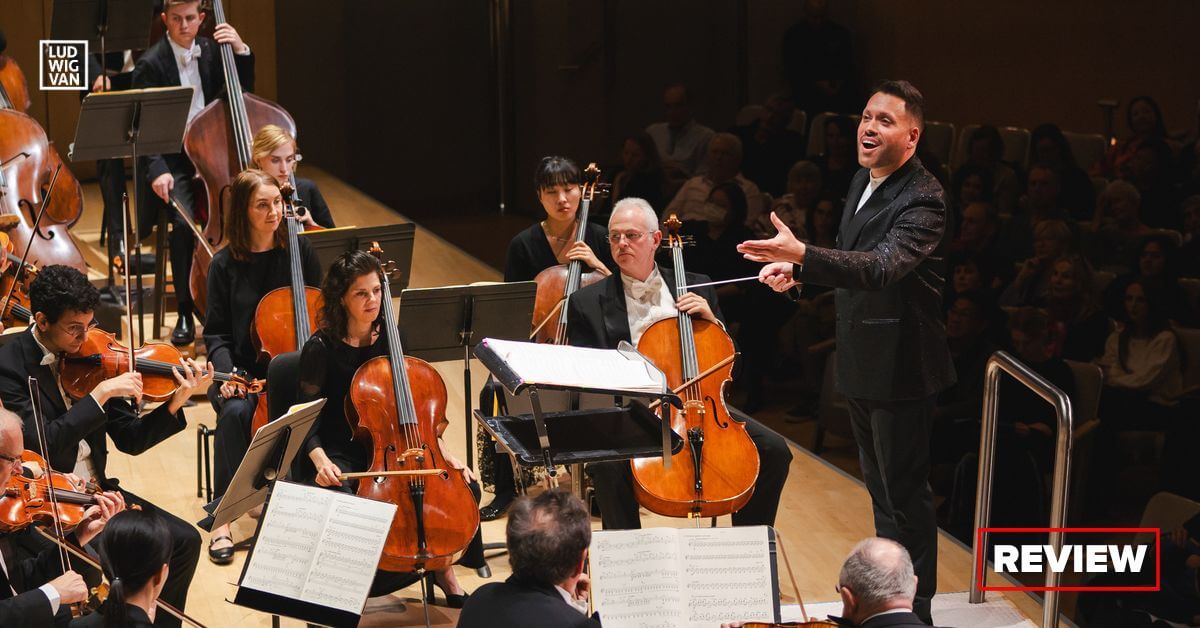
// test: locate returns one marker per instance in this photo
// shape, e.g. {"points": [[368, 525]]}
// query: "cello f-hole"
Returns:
{"points": [[712, 408]]}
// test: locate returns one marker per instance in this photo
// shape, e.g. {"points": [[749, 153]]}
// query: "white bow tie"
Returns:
{"points": [[186, 56], [49, 359], [646, 290]]}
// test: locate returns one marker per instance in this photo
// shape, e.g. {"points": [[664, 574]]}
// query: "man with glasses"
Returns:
{"points": [[32, 590], [622, 307], [63, 301]]}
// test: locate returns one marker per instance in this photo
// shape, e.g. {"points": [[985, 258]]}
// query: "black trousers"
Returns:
{"points": [[111, 175], [232, 438], [613, 482], [893, 449], [182, 242], [185, 552]]}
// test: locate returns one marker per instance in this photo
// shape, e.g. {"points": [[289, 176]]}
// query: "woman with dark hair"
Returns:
{"points": [[135, 552], [1050, 147], [642, 173], [255, 261], [350, 333], [544, 244], [839, 162], [970, 184], [1145, 121], [1157, 259], [985, 150]]}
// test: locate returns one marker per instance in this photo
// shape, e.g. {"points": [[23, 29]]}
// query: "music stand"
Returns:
{"points": [[446, 323], [116, 125], [396, 240], [124, 24]]}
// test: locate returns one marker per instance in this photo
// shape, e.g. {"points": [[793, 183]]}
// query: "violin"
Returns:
{"points": [[557, 283], [26, 500], [218, 142], [714, 473], [396, 408], [14, 305], [102, 357], [281, 321]]}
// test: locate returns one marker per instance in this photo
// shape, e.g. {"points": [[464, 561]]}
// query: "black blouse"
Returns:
{"points": [[310, 197], [529, 252], [234, 290]]}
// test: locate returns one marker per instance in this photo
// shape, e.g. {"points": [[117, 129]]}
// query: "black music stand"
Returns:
{"points": [[116, 125], [581, 436], [443, 324], [396, 240], [124, 24]]}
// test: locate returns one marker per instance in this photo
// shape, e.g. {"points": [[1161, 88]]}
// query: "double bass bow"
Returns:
{"points": [[218, 141], [714, 473], [556, 284], [396, 408]]}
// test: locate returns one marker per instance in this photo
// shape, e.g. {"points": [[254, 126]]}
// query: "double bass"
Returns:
{"points": [[714, 473], [396, 408], [556, 284], [218, 142], [282, 320]]}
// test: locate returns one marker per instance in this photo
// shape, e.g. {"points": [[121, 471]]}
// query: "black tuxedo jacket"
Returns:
{"points": [[30, 606], [20, 359], [597, 317], [895, 620], [157, 68], [889, 269], [518, 604]]}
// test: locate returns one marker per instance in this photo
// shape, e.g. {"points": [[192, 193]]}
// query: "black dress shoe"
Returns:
{"points": [[494, 510], [453, 600], [185, 332], [222, 556]]}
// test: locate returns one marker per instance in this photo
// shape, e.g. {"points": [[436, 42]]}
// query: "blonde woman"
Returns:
{"points": [[275, 152]]}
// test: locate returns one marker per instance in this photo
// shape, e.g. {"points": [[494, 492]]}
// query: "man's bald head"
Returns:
{"points": [[10, 424], [879, 575], [12, 442]]}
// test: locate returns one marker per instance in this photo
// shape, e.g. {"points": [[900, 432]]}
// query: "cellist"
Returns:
{"points": [[255, 261], [350, 335], [622, 307], [184, 58], [275, 152], [543, 244], [77, 430]]}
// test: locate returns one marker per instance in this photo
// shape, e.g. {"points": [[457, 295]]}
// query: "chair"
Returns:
{"points": [[799, 121], [1089, 381], [1088, 148], [748, 115], [816, 131], [1166, 511], [939, 139], [833, 414], [1175, 236]]}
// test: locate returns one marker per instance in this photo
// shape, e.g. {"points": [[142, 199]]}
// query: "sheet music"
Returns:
{"points": [[320, 546], [667, 577], [581, 367]]}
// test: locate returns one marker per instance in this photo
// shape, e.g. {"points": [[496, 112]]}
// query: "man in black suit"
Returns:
{"points": [[548, 538], [877, 586], [622, 307], [62, 301], [33, 589], [889, 271], [184, 58]]}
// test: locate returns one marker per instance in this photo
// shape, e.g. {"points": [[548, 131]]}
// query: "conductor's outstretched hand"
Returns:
{"points": [[784, 247]]}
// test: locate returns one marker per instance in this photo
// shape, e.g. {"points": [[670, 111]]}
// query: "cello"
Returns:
{"points": [[218, 142], [714, 473], [556, 284], [396, 408], [281, 321]]}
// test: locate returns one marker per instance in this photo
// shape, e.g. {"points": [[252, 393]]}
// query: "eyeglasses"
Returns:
{"points": [[79, 329], [12, 461], [632, 236]]}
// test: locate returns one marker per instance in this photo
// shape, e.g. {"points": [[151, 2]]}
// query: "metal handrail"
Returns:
{"points": [[1003, 361]]}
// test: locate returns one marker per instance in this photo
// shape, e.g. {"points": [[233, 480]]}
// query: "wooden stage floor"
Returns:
{"points": [[824, 511]]}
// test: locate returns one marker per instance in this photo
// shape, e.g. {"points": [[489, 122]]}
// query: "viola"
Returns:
{"points": [[26, 500], [714, 473], [218, 142], [281, 321], [102, 357], [14, 304], [396, 408], [557, 283]]}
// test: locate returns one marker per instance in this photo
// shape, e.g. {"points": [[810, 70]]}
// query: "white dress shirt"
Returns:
{"points": [[83, 459], [646, 303], [188, 63]]}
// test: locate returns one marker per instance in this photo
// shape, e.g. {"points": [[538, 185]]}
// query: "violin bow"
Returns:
{"points": [[39, 422], [37, 220]]}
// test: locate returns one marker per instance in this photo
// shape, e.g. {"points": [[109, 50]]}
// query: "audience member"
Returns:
{"points": [[1190, 253], [1150, 171], [680, 140], [1051, 240], [971, 324], [979, 238], [642, 174], [985, 149], [970, 184], [839, 162], [1117, 228], [714, 252], [818, 62], [1050, 147], [548, 538], [1145, 121], [821, 225], [1043, 189], [1143, 375], [723, 164], [1156, 266], [1074, 307], [769, 146], [793, 208]]}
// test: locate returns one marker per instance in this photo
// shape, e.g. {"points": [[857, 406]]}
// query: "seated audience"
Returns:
{"points": [[979, 238], [769, 146], [1075, 310], [803, 191], [1117, 227], [971, 324], [723, 163], [1051, 240], [985, 150], [681, 140], [818, 62], [839, 161], [642, 174], [1190, 253], [970, 184], [548, 538], [1144, 119], [714, 251], [1151, 170], [1142, 363], [1050, 148], [1155, 267]]}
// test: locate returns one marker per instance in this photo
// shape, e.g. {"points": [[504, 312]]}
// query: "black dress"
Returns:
{"points": [[310, 196], [529, 252]]}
